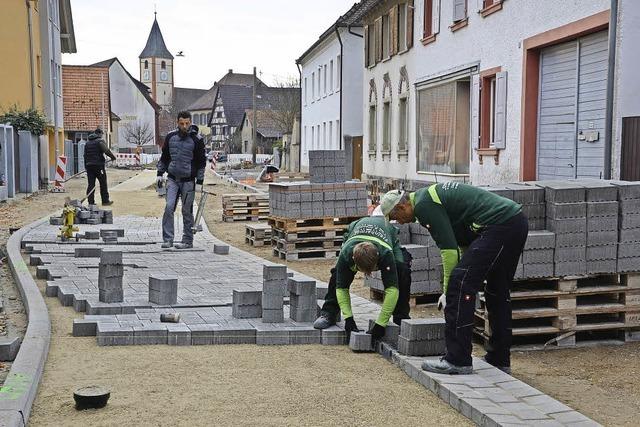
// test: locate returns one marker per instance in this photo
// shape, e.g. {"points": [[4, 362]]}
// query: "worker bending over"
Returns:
{"points": [[499, 231], [370, 244]]}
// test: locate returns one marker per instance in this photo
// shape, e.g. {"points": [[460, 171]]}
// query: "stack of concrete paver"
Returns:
{"points": [[91, 214], [422, 337], [327, 166], [302, 200], [110, 277], [629, 236], [163, 290], [538, 255], [303, 301], [602, 226], [274, 288], [247, 304]]}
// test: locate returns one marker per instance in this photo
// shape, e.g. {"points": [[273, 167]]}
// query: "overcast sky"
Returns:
{"points": [[215, 35]]}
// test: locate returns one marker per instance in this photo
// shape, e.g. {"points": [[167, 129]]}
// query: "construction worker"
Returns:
{"points": [[370, 244], [184, 160], [94, 151], [452, 212]]}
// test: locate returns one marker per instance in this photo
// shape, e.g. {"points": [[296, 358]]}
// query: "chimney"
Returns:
{"points": [[230, 70]]}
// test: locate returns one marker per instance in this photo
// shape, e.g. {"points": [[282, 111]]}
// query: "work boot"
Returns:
{"points": [[505, 369], [166, 245], [107, 203], [398, 319], [442, 366], [183, 245], [324, 321]]}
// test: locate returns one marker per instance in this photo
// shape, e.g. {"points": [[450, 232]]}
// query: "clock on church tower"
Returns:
{"points": [[156, 67]]}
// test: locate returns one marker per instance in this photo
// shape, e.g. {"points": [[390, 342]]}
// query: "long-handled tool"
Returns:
{"points": [[201, 205]]}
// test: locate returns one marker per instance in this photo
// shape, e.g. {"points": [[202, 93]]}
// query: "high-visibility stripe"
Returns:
{"points": [[434, 194], [371, 239]]}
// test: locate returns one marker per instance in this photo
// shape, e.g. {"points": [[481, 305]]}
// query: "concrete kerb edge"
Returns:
{"points": [[20, 388], [234, 182]]}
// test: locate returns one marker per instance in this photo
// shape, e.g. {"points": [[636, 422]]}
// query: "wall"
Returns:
{"points": [[627, 84], [352, 89], [324, 108], [15, 72], [128, 103], [492, 41]]}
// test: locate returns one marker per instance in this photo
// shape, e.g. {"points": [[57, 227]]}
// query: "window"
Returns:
{"points": [[372, 45], [224, 130], [386, 126], [403, 125], [313, 86], [372, 129], [39, 70], [325, 79], [443, 128], [313, 137], [319, 81], [331, 72], [218, 114], [214, 131], [402, 27], [330, 134], [305, 91], [488, 112], [459, 10], [338, 72], [208, 118], [428, 18], [386, 34], [163, 65], [318, 136], [324, 135], [146, 64], [338, 132]]}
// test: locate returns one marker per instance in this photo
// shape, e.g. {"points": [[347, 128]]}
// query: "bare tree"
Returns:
{"points": [[282, 104], [138, 133]]}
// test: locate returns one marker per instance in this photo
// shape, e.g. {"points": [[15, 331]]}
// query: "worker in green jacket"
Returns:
{"points": [[370, 244], [500, 228]]}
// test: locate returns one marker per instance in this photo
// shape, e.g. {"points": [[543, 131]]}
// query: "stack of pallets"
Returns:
{"points": [[258, 234], [245, 207], [299, 239]]}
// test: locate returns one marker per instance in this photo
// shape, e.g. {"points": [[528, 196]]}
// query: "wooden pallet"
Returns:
{"points": [[298, 235], [243, 217], [304, 254], [308, 243], [292, 225], [245, 197], [414, 299], [256, 242], [260, 230], [566, 310]]}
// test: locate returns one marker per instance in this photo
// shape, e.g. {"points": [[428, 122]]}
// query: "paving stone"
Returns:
{"points": [[391, 333], [271, 271], [272, 301], [299, 286], [334, 335], [88, 252], [202, 334], [221, 249], [234, 334], [110, 256], [245, 297], [119, 232], [272, 316], [268, 335], [247, 311], [360, 342], [178, 334], [421, 347], [422, 329], [113, 334], [540, 239], [84, 328], [305, 336], [303, 315], [154, 333]]}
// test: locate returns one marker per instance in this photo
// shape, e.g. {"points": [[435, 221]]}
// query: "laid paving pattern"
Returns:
{"points": [[205, 301]]}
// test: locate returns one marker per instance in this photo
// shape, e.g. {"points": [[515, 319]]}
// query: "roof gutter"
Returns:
{"points": [[300, 123], [608, 129], [341, 88]]}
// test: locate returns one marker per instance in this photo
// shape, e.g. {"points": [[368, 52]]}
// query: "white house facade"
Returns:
{"points": [[485, 91], [331, 83]]}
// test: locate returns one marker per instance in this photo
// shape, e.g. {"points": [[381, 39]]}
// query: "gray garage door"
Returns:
{"points": [[571, 112]]}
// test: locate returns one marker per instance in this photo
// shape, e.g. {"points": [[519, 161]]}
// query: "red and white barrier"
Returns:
{"points": [[127, 159], [61, 168]]}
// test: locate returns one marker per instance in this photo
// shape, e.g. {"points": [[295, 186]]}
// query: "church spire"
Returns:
{"points": [[155, 47]]}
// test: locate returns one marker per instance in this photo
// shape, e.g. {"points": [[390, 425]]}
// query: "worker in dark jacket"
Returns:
{"points": [[184, 160], [501, 229], [370, 244], [94, 151]]}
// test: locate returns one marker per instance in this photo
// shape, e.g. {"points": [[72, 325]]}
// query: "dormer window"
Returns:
{"points": [[163, 65]]}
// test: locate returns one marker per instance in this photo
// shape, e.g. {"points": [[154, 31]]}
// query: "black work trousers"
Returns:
{"points": [[493, 256], [99, 173], [402, 309]]}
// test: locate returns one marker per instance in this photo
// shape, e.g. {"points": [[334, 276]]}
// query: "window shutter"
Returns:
{"points": [[459, 10], [366, 46], [475, 111], [393, 20], [379, 40], [500, 118], [410, 10], [436, 16]]}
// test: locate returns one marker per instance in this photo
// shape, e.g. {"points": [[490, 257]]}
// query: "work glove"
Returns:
{"points": [[159, 181], [376, 332], [350, 326], [198, 188], [442, 302]]}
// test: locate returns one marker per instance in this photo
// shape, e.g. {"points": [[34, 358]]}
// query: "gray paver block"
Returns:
{"points": [[307, 302], [88, 252], [272, 301], [178, 334], [305, 336], [534, 271], [566, 210], [92, 235], [202, 334], [114, 334], [119, 232], [537, 256], [9, 347], [303, 315], [272, 316], [110, 256], [110, 270], [540, 239], [245, 297], [266, 335], [422, 329], [154, 333], [334, 335], [299, 286], [107, 295], [273, 271], [431, 347], [360, 342], [247, 311], [221, 249]]}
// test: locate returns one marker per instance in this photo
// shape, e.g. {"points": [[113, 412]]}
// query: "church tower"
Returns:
{"points": [[156, 67]]}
